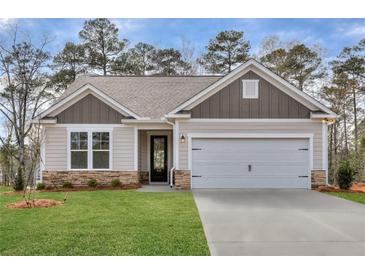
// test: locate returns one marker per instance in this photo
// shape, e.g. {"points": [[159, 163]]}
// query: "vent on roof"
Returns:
{"points": [[250, 89]]}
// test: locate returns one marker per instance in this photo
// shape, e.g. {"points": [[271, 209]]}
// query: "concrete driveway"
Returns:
{"points": [[280, 222]]}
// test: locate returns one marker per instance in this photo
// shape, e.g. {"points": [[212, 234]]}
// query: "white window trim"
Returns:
{"points": [[90, 150], [244, 93]]}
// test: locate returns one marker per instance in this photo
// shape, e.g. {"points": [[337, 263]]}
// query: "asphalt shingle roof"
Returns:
{"points": [[147, 96]]}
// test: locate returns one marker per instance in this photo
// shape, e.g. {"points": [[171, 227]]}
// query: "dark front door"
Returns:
{"points": [[158, 158]]}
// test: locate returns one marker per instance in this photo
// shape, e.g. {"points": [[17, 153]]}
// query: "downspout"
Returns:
{"points": [[174, 152]]}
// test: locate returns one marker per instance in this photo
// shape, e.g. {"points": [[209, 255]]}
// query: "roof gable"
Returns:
{"points": [[72, 98], [89, 110], [271, 103], [264, 73]]}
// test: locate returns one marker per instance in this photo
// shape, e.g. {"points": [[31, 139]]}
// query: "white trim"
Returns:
{"points": [[45, 121], [244, 89], [86, 89], [164, 126], [87, 126], [252, 135], [179, 116], [43, 155], [325, 148], [143, 121], [89, 149], [218, 85], [251, 120], [136, 137], [177, 144], [323, 116]]}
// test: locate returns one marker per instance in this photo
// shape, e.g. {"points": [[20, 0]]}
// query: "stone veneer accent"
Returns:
{"points": [[182, 179], [144, 177], [318, 178], [80, 178]]}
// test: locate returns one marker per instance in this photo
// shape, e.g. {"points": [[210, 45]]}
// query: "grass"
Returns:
{"points": [[104, 223], [356, 197], [5, 188]]}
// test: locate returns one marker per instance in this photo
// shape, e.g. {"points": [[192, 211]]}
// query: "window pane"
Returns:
{"points": [[100, 140], [79, 159], [74, 140], [96, 140], [105, 140], [100, 159], [83, 140], [78, 140], [159, 153]]}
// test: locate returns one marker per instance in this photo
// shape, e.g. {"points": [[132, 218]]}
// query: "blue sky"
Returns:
{"points": [[331, 34]]}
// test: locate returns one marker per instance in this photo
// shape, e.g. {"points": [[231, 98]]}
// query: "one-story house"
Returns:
{"points": [[247, 129]]}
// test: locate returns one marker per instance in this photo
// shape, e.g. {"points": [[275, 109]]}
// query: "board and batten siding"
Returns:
{"points": [[272, 103], [311, 127], [89, 110], [56, 148]]}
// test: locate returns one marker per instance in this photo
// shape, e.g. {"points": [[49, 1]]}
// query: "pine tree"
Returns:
{"points": [[101, 39], [226, 50]]}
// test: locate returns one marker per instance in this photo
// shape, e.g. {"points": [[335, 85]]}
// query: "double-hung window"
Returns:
{"points": [[90, 149], [100, 150], [79, 150]]}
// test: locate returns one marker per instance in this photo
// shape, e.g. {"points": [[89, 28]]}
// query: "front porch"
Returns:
{"points": [[155, 156]]}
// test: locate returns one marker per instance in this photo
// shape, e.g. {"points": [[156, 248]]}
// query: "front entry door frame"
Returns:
{"points": [[169, 150], [162, 174]]}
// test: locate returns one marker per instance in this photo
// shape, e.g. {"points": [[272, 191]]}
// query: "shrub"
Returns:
{"points": [[345, 175], [92, 183], [115, 183], [41, 186], [67, 185]]}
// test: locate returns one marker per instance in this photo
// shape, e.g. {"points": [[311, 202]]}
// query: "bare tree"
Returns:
{"points": [[23, 92], [188, 56]]}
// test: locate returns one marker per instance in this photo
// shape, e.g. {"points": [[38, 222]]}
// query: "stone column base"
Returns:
{"points": [[318, 178], [182, 179], [144, 177]]}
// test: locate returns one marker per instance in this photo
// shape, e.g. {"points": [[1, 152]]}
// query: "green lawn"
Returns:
{"points": [[104, 223], [5, 188], [356, 197]]}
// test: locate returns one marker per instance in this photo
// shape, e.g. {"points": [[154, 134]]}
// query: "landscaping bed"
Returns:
{"points": [[39, 203], [355, 188]]}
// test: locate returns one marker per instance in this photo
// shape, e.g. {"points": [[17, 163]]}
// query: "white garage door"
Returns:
{"points": [[251, 163]]}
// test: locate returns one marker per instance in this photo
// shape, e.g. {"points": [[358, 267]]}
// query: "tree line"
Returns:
{"points": [[31, 78]]}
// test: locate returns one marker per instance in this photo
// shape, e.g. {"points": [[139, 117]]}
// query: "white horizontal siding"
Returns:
{"points": [[312, 127], [123, 148], [56, 148]]}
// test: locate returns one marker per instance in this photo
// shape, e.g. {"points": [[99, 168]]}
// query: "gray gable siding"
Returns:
{"points": [[272, 103], [89, 110]]}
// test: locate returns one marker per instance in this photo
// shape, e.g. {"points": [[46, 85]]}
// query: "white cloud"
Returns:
{"points": [[126, 25], [6, 22], [357, 30]]}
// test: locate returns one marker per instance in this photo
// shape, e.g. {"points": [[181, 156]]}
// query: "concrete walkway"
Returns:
{"points": [[280, 222], [158, 188]]}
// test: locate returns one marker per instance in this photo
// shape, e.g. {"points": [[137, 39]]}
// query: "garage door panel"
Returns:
{"points": [[224, 163], [267, 171]]}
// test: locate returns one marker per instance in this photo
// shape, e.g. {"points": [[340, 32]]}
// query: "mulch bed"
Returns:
{"points": [[356, 188], [39, 203]]}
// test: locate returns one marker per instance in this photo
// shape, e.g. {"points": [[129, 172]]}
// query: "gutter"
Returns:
{"points": [[174, 151]]}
